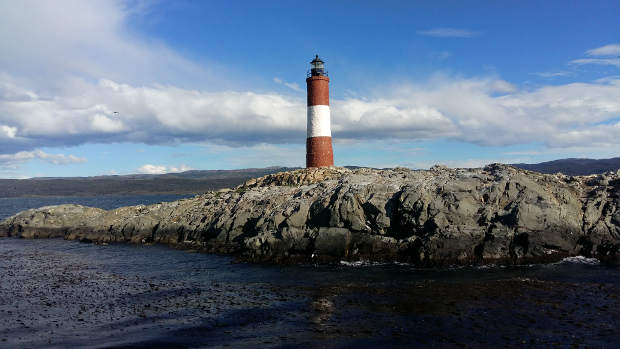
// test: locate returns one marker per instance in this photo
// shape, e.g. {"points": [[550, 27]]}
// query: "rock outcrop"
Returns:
{"points": [[497, 214]]}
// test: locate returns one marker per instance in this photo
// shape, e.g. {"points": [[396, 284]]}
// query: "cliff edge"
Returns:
{"points": [[496, 214]]}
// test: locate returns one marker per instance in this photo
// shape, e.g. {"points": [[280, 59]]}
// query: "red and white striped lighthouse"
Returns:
{"points": [[319, 142]]}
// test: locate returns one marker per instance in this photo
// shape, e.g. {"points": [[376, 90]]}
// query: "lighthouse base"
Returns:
{"points": [[319, 152]]}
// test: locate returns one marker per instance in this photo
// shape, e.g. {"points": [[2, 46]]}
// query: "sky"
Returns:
{"points": [[116, 87]]}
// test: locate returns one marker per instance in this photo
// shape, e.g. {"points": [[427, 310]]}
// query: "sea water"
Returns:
{"points": [[57, 293]]}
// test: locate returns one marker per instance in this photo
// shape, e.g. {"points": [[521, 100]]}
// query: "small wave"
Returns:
{"points": [[487, 266], [579, 260], [364, 263], [360, 263]]}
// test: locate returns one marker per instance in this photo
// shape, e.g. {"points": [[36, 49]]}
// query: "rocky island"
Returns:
{"points": [[495, 214]]}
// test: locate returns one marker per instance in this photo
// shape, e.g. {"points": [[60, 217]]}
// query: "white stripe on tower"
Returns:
{"points": [[319, 121]]}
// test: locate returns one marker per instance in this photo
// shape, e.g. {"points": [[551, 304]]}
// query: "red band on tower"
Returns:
{"points": [[318, 90], [319, 152]]}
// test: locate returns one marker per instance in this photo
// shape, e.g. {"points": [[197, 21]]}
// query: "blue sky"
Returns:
{"points": [[116, 87]]}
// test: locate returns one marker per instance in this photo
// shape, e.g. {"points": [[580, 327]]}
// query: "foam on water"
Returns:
{"points": [[579, 260], [364, 263], [360, 263]]}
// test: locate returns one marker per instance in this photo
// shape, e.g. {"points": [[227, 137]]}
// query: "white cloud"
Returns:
{"points": [[608, 55], [7, 131], [394, 117], [485, 111], [162, 169], [292, 85], [105, 124], [449, 33], [154, 115], [13, 160], [597, 61], [502, 86], [551, 75], [468, 110], [48, 43], [607, 50], [9, 91]]}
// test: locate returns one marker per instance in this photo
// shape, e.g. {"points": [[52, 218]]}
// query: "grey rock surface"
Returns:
{"points": [[496, 214]]}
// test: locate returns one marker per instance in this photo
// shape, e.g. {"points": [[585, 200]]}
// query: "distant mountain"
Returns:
{"points": [[574, 167], [189, 182]]}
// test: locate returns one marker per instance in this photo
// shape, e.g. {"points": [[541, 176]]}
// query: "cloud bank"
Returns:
{"points": [[486, 111]]}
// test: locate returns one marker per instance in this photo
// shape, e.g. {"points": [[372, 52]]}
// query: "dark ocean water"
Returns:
{"points": [[56, 293]]}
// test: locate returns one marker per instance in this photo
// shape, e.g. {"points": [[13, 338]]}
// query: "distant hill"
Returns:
{"points": [[189, 182], [195, 182], [574, 167]]}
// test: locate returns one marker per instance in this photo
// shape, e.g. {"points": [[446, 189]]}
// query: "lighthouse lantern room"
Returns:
{"points": [[317, 67], [319, 151]]}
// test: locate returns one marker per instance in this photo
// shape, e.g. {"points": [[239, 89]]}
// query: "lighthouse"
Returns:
{"points": [[319, 151]]}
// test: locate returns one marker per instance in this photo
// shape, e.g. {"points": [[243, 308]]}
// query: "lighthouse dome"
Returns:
{"points": [[317, 67]]}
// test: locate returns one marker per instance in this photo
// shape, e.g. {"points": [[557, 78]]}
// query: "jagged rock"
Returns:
{"points": [[495, 214]]}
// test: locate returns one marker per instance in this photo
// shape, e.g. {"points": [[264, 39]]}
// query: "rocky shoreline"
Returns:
{"points": [[495, 214]]}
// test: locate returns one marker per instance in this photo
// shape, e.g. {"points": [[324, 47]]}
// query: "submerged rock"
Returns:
{"points": [[494, 214]]}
